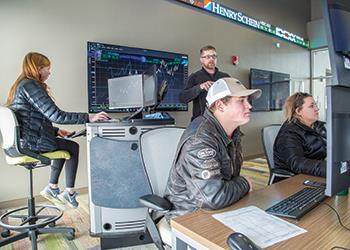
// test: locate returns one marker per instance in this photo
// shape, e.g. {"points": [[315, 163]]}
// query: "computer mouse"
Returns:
{"points": [[238, 241]]}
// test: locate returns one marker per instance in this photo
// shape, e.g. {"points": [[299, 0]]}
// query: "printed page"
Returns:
{"points": [[262, 228]]}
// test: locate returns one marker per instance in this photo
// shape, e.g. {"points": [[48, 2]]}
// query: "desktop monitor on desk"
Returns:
{"points": [[338, 139], [134, 91], [336, 14]]}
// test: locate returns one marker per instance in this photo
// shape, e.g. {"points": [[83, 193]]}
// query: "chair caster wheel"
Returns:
{"points": [[71, 235], [52, 224], [5, 233]]}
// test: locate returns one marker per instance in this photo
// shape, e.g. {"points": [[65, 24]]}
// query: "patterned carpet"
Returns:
{"points": [[255, 169]]}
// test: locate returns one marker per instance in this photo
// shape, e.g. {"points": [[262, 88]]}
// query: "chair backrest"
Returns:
{"points": [[8, 127], [158, 148], [269, 135]]}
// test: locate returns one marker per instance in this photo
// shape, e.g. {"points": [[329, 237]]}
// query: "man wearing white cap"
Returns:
{"points": [[206, 172]]}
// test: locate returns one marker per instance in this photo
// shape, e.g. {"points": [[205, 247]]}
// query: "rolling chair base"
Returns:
{"points": [[32, 225]]}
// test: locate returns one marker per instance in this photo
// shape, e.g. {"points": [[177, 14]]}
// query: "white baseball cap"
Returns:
{"points": [[230, 87]]}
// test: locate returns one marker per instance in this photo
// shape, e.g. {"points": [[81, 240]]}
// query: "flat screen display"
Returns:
{"points": [[275, 89], [107, 62]]}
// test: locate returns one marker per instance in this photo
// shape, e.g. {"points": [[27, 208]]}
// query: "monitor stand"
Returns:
{"points": [[137, 115]]}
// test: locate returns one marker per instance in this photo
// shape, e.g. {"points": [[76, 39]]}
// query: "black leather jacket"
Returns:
{"points": [[35, 112], [205, 173], [301, 149]]}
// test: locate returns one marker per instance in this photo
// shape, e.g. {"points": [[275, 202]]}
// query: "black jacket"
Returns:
{"points": [[301, 149], [192, 91], [205, 173], [35, 112]]}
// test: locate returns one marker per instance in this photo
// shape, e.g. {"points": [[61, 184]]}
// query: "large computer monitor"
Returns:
{"points": [[108, 62], [338, 139], [336, 15], [274, 86]]}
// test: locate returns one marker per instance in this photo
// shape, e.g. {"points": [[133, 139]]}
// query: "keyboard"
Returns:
{"points": [[298, 204], [158, 115]]}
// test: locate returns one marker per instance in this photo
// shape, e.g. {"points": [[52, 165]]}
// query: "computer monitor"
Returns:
{"points": [[149, 87], [338, 139], [336, 15], [274, 86], [125, 92], [106, 61], [134, 91]]}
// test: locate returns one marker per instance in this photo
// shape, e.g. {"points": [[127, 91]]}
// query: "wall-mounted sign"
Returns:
{"points": [[239, 17]]}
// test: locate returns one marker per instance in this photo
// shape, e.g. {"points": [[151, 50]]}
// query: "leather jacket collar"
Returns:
{"points": [[209, 115]]}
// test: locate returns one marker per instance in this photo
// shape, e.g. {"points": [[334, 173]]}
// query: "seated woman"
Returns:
{"points": [[300, 145], [35, 110]]}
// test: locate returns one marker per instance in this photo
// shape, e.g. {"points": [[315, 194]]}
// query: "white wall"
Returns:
{"points": [[60, 30]]}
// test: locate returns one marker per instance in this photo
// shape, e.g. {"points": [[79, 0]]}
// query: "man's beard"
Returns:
{"points": [[209, 66]]}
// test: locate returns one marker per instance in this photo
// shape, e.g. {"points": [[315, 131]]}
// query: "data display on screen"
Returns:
{"points": [[106, 63]]}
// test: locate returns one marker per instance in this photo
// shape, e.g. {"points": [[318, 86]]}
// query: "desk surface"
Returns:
{"points": [[323, 228]]}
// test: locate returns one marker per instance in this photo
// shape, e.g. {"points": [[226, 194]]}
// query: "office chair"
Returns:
{"points": [[269, 135], [32, 220], [158, 148]]}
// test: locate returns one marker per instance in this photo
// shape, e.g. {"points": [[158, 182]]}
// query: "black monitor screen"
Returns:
{"points": [[339, 15], [338, 139], [336, 15], [106, 63], [274, 86]]}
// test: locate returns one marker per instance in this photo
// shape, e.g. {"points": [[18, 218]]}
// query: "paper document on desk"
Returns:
{"points": [[262, 228]]}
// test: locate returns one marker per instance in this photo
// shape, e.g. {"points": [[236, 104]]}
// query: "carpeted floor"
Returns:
{"points": [[255, 169]]}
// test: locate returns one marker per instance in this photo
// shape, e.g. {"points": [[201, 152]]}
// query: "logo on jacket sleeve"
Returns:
{"points": [[207, 174], [206, 153], [210, 164]]}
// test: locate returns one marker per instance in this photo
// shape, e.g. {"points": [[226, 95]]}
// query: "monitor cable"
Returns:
{"points": [[339, 219], [341, 223]]}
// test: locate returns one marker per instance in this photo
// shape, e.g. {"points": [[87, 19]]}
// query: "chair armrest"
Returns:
{"points": [[155, 202], [42, 159], [282, 171]]}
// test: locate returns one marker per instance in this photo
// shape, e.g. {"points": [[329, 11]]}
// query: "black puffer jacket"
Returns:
{"points": [[205, 174], [301, 149], [35, 112]]}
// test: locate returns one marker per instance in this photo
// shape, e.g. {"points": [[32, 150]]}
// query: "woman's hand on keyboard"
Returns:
{"points": [[102, 116]]}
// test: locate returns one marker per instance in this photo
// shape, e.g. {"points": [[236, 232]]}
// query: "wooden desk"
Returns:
{"points": [[202, 231]]}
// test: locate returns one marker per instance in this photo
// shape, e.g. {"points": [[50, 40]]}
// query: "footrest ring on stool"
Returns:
{"points": [[30, 222]]}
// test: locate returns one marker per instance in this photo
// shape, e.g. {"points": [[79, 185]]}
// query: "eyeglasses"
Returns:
{"points": [[210, 56]]}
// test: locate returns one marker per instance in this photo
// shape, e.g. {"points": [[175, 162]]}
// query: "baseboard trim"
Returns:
{"points": [[38, 198]]}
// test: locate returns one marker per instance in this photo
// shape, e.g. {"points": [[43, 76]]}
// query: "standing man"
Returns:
{"points": [[206, 171], [199, 82]]}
